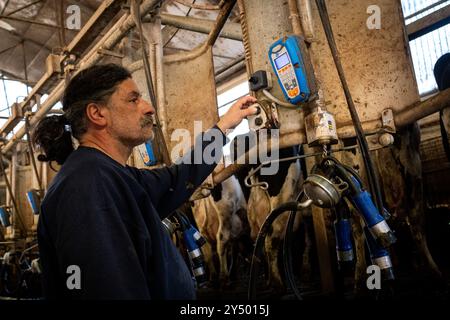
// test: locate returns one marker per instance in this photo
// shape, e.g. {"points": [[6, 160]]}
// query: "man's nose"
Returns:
{"points": [[148, 107]]}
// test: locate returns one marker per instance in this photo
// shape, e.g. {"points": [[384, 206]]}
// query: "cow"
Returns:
{"points": [[400, 172], [222, 219], [283, 186]]}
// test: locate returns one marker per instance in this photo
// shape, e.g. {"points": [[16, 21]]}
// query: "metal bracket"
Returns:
{"points": [[380, 140], [387, 119], [53, 64], [68, 63], [111, 53]]}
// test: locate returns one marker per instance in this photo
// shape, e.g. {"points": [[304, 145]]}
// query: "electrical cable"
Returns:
{"points": [[373, 181], [288, 206], [278, 101], [287, 251]]}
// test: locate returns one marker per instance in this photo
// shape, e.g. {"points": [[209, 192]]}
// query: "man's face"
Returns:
{"points": [[130, 119]]}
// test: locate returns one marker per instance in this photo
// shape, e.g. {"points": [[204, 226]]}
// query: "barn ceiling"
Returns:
{"points": [[29, 31]]}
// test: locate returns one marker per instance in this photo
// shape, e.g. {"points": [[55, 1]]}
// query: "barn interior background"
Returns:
{"points": [[203, 55]]}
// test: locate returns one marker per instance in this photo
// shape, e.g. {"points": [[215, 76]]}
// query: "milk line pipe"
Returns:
{"points": [[109, 40], [264, 185]]}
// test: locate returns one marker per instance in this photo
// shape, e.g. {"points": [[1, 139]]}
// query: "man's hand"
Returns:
{"points": [[238, 111]]}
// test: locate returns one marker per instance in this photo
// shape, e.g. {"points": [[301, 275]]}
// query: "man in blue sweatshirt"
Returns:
{"points": [[101, 219]]}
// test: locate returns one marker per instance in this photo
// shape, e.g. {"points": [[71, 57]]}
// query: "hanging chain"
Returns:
{"points": [[325, 152]]}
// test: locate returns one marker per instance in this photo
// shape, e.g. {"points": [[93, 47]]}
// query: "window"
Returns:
{"points": [[11, 92], [426, 49], [225, 101]]}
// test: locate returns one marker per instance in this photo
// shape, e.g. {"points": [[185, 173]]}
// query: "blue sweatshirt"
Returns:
{"points": [[102, 221]]}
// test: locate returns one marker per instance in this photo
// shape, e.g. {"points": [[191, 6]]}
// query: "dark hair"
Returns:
{"points": [[94, 84]]}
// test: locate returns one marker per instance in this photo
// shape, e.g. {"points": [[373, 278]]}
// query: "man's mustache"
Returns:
{"points": [[146, 121]]}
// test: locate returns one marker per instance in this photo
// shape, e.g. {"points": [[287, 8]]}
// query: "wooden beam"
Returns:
{"points": [[428, 23]]}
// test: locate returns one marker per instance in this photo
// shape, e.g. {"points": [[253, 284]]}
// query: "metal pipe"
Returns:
{"points": [[9, 48], [24, 7], [31, 152], [229, 65], [422, 109], [231, 30], [10, 189], [78, 44], [201, 6], [286, 140], [4, 7], [310, 70], [425, 9], [156, 36], [212, 37], [6, 96], [238, 68], [114, 35], [404, 117], [306, 19], [294, 17], [220, 22], [34, 22], [25, 65], [159, 137], [52, 99]]}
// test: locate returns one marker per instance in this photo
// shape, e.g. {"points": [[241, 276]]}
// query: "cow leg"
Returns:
{"points": [[223, 238], [356, 162], [306, 267], [409, 157], [273, 245], [209, 254]]}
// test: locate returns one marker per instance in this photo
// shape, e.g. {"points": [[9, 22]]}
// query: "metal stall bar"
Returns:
{"points": [[108, 41]]}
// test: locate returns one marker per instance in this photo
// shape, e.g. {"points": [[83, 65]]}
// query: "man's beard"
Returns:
{"points": [[148, 122]]}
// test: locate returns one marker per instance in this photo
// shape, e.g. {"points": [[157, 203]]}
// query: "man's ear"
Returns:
{"points": [[96, 114]]}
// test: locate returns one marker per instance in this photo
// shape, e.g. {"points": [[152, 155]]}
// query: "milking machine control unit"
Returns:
{"points": [[288, 64]]}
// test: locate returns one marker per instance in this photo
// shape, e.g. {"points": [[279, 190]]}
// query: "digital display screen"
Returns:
{"points": [[281, 61]]}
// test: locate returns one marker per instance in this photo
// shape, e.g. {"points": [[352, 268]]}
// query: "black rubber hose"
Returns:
{"points": [[287, 255], [348, 168], [288, 206], [344, 174], [287, 252], [373, 181]]}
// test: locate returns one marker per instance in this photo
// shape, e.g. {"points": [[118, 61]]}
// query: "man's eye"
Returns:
{"points": [[134, 100]]}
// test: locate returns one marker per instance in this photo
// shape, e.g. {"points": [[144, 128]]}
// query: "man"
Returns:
{"points": [[100, 233]]}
